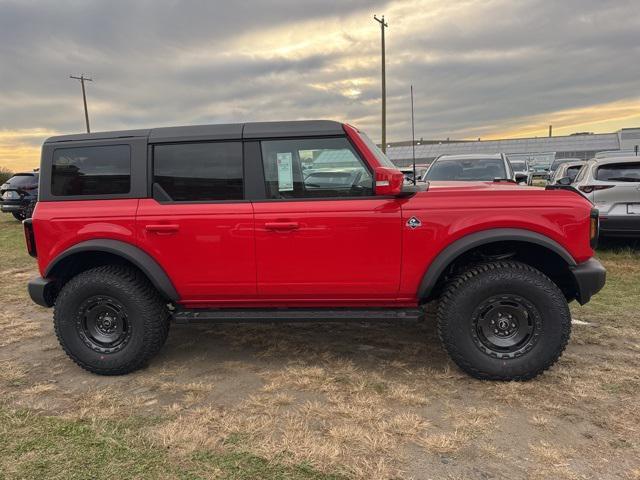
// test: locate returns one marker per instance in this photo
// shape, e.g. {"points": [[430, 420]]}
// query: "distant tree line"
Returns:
{"points": [[5, 174]]}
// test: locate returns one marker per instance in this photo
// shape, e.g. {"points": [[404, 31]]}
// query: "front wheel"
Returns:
{"points": [[503, 321], [110, 320]]}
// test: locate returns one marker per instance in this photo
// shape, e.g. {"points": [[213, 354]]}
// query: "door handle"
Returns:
{"points": [[281, 226], [162, 229]]}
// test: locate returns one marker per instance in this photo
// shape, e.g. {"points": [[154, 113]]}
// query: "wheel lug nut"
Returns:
{"points": [[513, 325], [495, 330]]}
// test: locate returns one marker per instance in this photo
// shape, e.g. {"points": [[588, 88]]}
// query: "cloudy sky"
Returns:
{"points": [[480, 68]]}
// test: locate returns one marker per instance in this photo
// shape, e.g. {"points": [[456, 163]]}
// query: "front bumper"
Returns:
{"points": [[9, 206], [42, 291], [620, 226], [590, 277]]}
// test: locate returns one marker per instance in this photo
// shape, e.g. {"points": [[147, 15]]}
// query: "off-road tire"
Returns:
{"points": [[147, 319], [469, 291]]}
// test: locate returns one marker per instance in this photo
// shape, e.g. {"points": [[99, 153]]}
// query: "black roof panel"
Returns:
{"points": [[229, 131], [299, 128]]}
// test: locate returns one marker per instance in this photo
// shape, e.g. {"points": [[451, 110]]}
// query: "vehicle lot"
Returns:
{"points": [[319, 400]]}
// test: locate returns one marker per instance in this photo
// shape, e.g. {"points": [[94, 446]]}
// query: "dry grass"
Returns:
{"points": [[365, 401]]}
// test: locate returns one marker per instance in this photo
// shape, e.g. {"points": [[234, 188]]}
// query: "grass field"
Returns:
{"points": [[320, 401]]}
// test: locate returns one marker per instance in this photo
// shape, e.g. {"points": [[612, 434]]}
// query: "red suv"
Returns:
{"points": [[297, 221]]}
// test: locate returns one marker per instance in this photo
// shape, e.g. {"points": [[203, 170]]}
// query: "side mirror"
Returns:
{"points": [[521, 178], [388, 181], [565, 181]]}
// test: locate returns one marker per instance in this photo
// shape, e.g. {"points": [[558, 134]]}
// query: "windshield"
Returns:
{"points": [[518, 166], [379, 154], [22, 179], [469, 169]]}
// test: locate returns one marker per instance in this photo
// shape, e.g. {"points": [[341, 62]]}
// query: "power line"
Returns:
{"points": [[83, 79], [383, 25]]}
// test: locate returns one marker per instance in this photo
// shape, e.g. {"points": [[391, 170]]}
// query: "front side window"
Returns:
{"points": [[307, 168], [100, 170], [619, 172], [194, 172]]}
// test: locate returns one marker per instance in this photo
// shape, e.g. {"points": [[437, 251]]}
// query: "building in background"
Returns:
{"points": [[578, 145]]}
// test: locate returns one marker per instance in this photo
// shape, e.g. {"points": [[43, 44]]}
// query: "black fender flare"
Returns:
{"points": [[147, 264], [466, 243]]}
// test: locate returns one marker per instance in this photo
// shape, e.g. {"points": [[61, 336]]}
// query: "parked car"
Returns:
{"points": [[559, 161], [471, 168], [568, 171], [20, 194], [135, 230], [521, 167], [613, 185]]}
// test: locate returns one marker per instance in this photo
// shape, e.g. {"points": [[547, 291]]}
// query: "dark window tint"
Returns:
{"points": [[318, 167], [619, 172], [91, 170], [468, 169], [572, 172], [199, 171], [23, 179]]}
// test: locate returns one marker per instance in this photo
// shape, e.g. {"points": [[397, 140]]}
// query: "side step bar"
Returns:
{"points": [[295, 315]]}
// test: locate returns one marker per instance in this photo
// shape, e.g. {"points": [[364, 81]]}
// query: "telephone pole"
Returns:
{"points": [[83, 79], [383, 25]]}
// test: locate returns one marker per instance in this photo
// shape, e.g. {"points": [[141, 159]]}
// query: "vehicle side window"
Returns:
{"points": [[100, 170], [199, 171], [314, 168], [619, 172]]}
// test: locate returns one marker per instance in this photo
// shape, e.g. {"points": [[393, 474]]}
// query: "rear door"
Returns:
{"points": [[321, 234], [617, 192], [198, 224]]}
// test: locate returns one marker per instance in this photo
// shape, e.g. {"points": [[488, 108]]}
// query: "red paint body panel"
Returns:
{"points": [[356, 252], [341, 249], [208, 251], [60, 225], [449, 211]]}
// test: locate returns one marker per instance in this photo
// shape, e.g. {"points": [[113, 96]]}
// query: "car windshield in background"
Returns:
{"points": [[22, 179], [518, 166], [472, 169]]}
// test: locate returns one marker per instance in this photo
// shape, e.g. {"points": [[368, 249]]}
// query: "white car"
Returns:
{"points": [[568, 171], [521, 166], [471, 168], [613, 186]]}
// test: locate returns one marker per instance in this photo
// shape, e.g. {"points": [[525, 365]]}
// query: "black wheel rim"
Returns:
{"points": [[103, 324], [506, 326]]}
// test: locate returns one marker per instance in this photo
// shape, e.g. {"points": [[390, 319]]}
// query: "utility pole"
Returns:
{"points": [[383, 25], [413, 140], [83, 79]]}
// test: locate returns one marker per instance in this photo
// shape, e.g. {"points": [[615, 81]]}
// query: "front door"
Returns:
{"points": [[198, 225], [321, 234]]}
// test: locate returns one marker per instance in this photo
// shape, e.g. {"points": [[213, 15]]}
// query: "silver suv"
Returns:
{"points": [[613, 186]]}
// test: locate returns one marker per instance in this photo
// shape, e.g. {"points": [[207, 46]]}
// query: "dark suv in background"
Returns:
{"points": [[20, 194]]}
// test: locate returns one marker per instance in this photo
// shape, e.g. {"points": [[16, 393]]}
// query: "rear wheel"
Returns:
{"points": [[503, 321], [110, 320]]}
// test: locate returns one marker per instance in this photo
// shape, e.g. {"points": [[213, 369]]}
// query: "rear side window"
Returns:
{"points": [[619, 172], [194, 172], [100, 170]]}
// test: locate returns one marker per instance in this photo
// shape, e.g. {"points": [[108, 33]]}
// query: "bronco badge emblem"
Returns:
{"points": [[414, 223]]}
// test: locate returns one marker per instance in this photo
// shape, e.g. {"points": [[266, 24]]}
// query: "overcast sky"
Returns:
{"points": [[479, 68]]}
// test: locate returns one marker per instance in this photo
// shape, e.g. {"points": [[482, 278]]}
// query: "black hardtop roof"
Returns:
{"points": [[229, 131]]}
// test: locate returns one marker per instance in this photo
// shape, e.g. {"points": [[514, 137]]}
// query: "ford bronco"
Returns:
{"points": [[291, 221]]}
